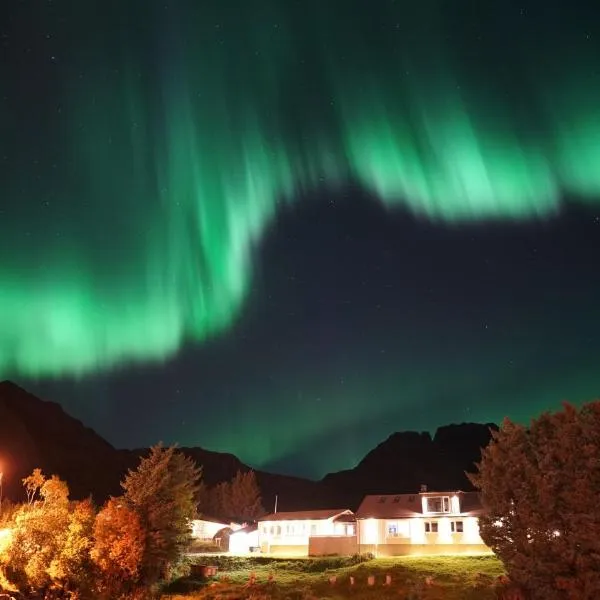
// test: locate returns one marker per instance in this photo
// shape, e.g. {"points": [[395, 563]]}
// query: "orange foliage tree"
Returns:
{"points": [[50, 539], [119, 542]]}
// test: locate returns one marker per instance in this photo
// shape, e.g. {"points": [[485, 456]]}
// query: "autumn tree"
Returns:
{"points": [[540, 489], [50, 538], [118, 551], [162, 491]]}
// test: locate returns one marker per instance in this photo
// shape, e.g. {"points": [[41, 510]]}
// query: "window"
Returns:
{"points": [[382, 499], [456, 526], [313, 529], [396, 499], [398, 529], [431, 526], [438, 504]]}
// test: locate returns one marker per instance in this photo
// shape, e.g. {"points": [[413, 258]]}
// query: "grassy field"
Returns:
{"points": [[414, 578]]}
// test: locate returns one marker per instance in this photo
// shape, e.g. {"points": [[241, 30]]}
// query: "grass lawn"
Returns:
{"points": [[452, 578]]}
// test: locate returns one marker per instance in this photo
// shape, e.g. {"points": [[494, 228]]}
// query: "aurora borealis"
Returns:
{"points": [[148, 149]]}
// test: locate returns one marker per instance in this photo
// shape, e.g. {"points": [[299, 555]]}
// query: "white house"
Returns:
{"points": [[205, 528], [420, 523], [244, 540], [308, 532]]}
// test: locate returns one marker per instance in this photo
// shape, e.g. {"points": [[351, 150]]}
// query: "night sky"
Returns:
{"points": [[288, 229]]}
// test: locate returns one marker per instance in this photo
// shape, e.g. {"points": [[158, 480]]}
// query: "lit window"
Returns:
{"points": [[431, 526], [438, 504], [392, 530], [456, 526]]}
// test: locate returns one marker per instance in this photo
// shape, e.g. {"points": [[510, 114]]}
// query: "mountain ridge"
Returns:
{"points": [[39, 433]]}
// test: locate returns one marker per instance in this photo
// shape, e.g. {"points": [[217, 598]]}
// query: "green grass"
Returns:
{"points": [[453, 577]]}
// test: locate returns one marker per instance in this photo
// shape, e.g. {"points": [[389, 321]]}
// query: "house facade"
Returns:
{"points": [[308, 533], [244, 540], [420, 523], [205, 529]]}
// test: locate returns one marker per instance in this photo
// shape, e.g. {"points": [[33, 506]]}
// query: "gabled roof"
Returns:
{"points": [[210, 519], [307, 515], [470, 503], [390, 506], [397, 506], [247, 529]]}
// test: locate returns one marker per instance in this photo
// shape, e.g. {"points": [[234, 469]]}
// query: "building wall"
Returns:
{"points": [[283, 550], [240, 542], [402, 532], [340, 545], [296, 534], [383, 550], [205, 530]]}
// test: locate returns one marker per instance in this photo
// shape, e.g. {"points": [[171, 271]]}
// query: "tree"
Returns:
{"points": [[118, 550], [50, 538], [540, 489], [162, 491], [244, 501], [238, 499]]}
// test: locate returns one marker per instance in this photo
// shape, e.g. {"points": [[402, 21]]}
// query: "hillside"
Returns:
{"points": [[37, 433]]}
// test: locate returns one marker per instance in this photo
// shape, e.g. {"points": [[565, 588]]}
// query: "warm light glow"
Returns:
{"points": [[5, 539], [371, 531], [471, 531], [444, 531], [417, 531]]}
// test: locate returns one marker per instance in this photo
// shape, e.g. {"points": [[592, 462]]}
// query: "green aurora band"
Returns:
{"points": [[166, 136]]}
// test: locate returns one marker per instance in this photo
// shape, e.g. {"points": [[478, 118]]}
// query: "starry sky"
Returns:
{"points": [[287, 230]]}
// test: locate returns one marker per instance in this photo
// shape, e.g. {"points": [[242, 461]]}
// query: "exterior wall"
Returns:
{"points": [[206, 530], [283, 550], [383, 550], [292, 537], [340, 545], [412, 532], [240, 542]]}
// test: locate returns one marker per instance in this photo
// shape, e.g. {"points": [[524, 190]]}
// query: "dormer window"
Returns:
{"points": [[438, 504], [382, 499]]}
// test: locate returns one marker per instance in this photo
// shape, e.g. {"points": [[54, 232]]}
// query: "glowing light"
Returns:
{"points": [[371, 531], [181, 140], [5, 539]]}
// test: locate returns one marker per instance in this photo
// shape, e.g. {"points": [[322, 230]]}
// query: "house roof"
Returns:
{"points": [[390, 506], [210, 519], [470, 502], [307, 515], [395, 506], [247, 529]]}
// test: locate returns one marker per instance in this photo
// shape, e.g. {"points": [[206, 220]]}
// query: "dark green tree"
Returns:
{"points": [[540, 487], [244, 501], [163, 492], [238, 499]]}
